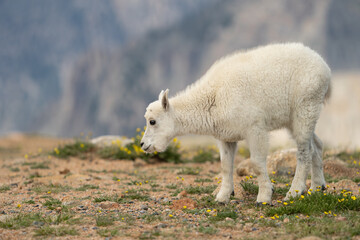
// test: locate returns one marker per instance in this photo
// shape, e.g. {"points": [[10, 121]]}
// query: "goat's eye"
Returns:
{"points": [[152, 122]]}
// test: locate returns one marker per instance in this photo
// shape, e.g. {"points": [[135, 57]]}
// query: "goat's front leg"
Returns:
{"points": [[227, 154]]}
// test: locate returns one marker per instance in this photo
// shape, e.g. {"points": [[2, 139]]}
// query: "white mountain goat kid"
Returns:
{"points": [[244, 96]]}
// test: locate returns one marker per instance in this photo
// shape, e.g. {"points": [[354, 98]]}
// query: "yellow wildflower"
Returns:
{"points": [[170, 215], [353, 197], [19, 205], [184, 207], [261, 216], [285, 203], [138, 130]]}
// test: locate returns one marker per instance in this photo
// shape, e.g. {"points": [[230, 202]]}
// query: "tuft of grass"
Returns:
{"points": [[203, 180], [326, 227], [171, 186], [108, 232], [51, 188], [317, 203], [104, 221], [133, 150], [250, 187], [52, 203], [4, 188], [55, 231], [29, 202], [103, 198], [200, 189], [86, 187], [207, 230], [149, 218], [79, 148], [41, 165], [189, 171], [206, 155], [14, 169], [220, 216], [21, 220]]}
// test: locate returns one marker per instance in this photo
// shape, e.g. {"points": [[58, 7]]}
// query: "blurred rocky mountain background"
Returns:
{"points": [[74, 66]]}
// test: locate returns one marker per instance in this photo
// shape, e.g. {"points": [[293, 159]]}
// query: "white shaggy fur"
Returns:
{"points": [[244, 96]]}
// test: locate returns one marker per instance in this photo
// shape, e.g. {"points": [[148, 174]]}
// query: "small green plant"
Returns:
{"points": [[189, 171], [51, 188], [249, 187], [220, 216], [29, 202], [206, 155], [149, 218], [87, 187], [203, 180], [108, 232], [207, 230], [52, 203], [55, 231], [14, 169], [21, 220], [103, 198], [171, 186], [133, 150], [40, 165], [317, 203], [79, 148], [104, 221], [4, 188]]}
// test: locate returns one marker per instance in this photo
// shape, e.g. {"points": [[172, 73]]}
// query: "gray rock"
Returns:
{"points": [[144, 207]]}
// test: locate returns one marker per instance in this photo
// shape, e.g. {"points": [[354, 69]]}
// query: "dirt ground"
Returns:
{"points": [[94, 198]]}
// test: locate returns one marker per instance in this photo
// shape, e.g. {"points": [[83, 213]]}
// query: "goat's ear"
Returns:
{"points": [[163, 97]]}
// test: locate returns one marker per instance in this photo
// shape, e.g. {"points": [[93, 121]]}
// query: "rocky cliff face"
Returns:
{"points": [[104, 84]]}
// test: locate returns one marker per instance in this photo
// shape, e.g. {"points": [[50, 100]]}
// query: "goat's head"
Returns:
{"points": [[160, 125]]}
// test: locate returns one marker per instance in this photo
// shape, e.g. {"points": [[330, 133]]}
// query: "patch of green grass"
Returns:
{"points": [[128, 219], [200, 189], [325, 227], [345, 156], [133, 151], [79, 148], [222, 215], [4, 188], [34, 175], [203, 180], [205, 155], [149, 218], [104, 221], [40, 165], [357, 179], [21, 220], [250, 187], [51, 188], [55, 231], [103, 198], [207, 201], [108, 232], [133, 195], [86, 187], [317, 203], [29, 202], [171, 186], [207, 230], [189, 171], [52, 203], [14, 169]]}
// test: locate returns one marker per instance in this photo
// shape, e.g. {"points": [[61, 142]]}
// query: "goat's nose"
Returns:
{"points": [[141, 144]]}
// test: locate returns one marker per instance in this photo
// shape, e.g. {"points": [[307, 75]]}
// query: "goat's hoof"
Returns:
{"points": [[233, 193]]}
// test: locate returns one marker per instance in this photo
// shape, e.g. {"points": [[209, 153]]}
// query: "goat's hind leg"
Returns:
{"points": [[317, 173], [227, 154], [258, 145]]}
